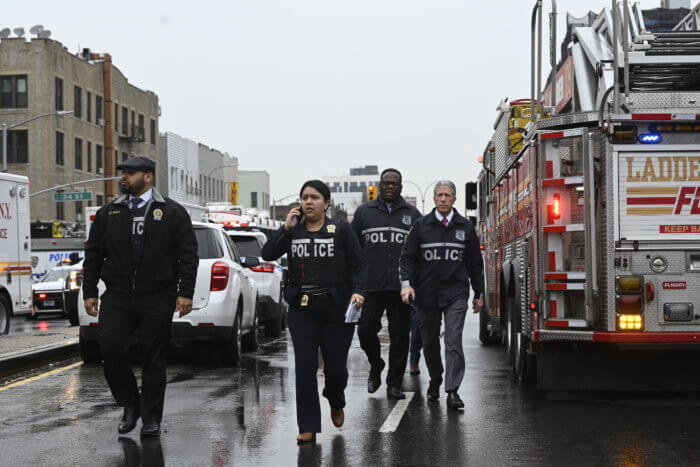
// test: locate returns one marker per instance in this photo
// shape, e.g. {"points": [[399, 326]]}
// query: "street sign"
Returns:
{"points": [[76, 196]]}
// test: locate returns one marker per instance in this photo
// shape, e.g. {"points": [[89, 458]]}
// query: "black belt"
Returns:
{"points": [[306, 298]]}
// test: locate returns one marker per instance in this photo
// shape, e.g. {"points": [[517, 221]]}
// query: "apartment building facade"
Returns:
{"points": [[110, 120]]}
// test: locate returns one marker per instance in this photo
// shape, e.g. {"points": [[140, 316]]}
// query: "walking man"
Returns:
{"points": [[144, 249], [381, 226], [440, 258]]}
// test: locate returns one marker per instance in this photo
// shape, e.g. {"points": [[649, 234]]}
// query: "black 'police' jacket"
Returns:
{"points": [[170, 260], [342, 269], [382, 234], [439, 262]]}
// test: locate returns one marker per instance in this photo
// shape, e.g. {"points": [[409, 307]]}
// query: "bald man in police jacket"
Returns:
{"points": [[382, 225]]}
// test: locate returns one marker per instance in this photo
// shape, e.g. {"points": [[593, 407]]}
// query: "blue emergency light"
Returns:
{"points": [[649, 138]]}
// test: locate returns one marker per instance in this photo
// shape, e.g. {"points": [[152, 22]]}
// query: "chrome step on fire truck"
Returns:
{"points": [[589, 207]]}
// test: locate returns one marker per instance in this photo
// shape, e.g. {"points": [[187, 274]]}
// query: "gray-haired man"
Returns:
{"points": [[439, 259]]}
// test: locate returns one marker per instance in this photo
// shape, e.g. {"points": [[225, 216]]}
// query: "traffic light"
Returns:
{"points": [[371, 192]]}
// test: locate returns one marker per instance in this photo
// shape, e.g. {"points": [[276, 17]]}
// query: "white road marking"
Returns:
{"points": [[394, 418]]}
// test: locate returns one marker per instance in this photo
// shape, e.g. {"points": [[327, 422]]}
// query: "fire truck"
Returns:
{"points": [[589, 206]]}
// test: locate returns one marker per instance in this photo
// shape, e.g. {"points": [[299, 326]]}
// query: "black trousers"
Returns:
{"points": [[399, 316], [321, 324], [120, 317], [416, 339]]}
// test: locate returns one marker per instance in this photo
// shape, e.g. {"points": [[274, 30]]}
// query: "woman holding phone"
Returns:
{"points": [[327, 270]]}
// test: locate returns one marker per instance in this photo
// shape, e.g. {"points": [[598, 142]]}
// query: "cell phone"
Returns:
{"points": [[301, 214]]}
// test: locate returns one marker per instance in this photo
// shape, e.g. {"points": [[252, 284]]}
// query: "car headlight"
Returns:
{"points": [[658, 264]]}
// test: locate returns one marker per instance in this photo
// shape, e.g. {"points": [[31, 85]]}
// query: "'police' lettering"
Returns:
{"points": [[314, 249], [385, 237]]}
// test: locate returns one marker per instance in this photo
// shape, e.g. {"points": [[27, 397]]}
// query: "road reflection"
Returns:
{"points": [[47, 322], [150, 452]]}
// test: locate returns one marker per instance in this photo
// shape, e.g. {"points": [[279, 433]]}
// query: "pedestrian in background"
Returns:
{"points": [[144, 249], [327, 271], [439, 260], [381, 226]]}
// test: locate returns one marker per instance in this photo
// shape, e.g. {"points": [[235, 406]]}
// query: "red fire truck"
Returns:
{"points": [[589, 207]]}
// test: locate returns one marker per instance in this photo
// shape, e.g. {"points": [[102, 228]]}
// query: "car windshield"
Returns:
{"points": [[247, 246], [54, 275], [207, 245]]}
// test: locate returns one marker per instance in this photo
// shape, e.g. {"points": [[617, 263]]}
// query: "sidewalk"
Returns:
{"points": [[19, 352]]}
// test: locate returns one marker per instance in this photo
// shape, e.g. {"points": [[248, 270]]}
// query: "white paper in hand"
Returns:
{"points": [[352, 314]]}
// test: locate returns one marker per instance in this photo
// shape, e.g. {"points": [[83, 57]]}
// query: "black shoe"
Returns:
{"points": [[453, 401], [375, 377], [129, 418], [394, 393], [433, 391], [150, 429]]}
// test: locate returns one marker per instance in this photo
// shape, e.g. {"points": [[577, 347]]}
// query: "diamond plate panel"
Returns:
{"points": [[502, 154], [670, 102]]}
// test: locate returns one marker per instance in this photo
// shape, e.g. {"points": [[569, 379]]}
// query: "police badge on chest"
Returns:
{"points": [[406, 220], [460, 235]]}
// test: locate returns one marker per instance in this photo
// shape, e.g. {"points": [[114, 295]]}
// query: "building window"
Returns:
{"points": [[78, 154], [59, 148], [99, 110], [89, 156], [133, 124], [99, 164], [116, 118], [88, 101], [116, 160], [59, 94], [13, 92], [77, 102], [17, 147], [142, 129], [153, 131], [254, 199], [99, 200], [78, 210], [125, 121], [125, 156]]}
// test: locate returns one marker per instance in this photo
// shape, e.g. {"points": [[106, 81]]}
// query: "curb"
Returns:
{"points": [[32, 358]]}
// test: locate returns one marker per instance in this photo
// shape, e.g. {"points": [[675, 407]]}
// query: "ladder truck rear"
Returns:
{"points": [[589, 208]]}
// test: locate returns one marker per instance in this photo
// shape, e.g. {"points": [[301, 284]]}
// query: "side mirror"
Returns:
{"points": [[470, 195], [250, 262]]}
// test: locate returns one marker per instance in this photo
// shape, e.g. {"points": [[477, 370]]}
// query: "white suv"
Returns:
{"points": [[224, 305], [268, 276]]}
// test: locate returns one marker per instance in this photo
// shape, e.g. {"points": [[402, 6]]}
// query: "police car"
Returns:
{"points": [[57, 292], [269, 278], [224, 310]]}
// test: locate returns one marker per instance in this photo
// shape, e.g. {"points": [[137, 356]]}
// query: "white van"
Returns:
{"points": [[15, 253]]}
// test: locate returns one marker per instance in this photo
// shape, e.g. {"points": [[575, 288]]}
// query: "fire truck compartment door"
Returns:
{"points": [[659, 194]]}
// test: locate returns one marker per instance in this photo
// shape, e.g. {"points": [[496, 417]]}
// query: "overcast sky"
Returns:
{"points": [[306, 88]]}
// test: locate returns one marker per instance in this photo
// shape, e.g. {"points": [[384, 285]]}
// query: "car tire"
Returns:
{"points": [[72, 312], [485, 336], [89, 349], [249, 341], [232, 344], [5, 315], [273, 327]]}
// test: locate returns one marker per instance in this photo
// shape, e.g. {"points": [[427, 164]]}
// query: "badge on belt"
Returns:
{"points": [[304, 300]]}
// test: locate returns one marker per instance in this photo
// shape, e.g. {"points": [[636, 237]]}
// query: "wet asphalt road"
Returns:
{"points": [[44, 322], [246, 416]]}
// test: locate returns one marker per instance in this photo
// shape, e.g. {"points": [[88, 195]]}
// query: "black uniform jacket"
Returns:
{"points": [[382, 234], [169, 263], [438, 261], [329, 258]]}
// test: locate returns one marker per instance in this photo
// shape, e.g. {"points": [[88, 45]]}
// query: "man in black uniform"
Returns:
{"points": [[144, 249], [382, 225], [440, 258]]}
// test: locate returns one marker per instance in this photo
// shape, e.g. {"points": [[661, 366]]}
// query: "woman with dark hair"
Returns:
{"points": [[327, 270]]}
